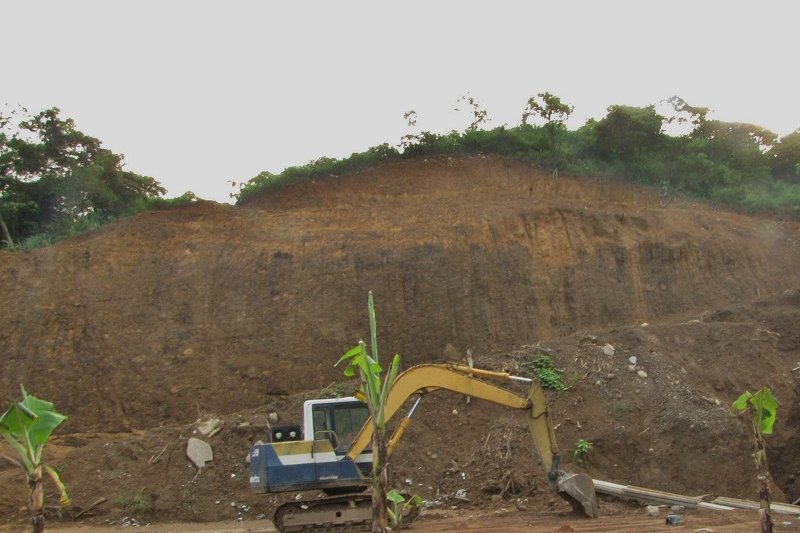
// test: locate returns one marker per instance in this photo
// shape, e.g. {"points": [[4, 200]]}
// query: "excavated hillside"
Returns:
{"points": [[138, 329]]}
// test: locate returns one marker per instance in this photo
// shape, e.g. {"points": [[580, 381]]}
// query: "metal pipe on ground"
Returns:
{"points": [[693, 502]]}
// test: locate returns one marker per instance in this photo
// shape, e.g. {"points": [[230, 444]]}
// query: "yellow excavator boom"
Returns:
{"points": [[421, 379]]}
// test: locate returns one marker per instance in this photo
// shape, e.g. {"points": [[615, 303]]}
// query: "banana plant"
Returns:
{"points": [[400, 506], [376, 390], [762, 410], [26, 426]]}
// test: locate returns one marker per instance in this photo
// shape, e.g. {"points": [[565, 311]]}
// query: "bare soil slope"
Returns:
{"points": [[139, 329]]}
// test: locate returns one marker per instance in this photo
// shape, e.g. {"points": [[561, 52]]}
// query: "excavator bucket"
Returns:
{"points": [[578, 490]]}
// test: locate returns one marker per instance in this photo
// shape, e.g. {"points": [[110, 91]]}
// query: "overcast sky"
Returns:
{"points": [[196, 93]]}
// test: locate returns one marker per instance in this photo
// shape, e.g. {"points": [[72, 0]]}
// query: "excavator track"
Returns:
{"points": [[334, 514]]}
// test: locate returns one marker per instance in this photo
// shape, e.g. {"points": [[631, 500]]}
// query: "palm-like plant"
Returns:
{"points": [[27, 425]]}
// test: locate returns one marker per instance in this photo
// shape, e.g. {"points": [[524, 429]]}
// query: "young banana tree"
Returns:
{"points": [[27, 425], [359, 361], [761, 408]]}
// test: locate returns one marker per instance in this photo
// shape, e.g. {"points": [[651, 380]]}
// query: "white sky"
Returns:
{"points": [[196, 93]]}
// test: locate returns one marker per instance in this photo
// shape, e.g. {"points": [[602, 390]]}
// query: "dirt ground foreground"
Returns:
{"points": [[503, 521], [656, 319]]}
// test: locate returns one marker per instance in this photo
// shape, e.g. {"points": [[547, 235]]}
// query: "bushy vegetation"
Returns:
{"points": [[542, 367], [56, 181], [742, 166], [321, 168]]}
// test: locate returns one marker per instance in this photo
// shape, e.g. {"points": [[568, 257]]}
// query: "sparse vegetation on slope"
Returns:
{"points": [[743, 166]]}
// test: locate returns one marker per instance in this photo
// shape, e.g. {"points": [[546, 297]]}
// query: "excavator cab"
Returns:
{"points": [[337, 420]]}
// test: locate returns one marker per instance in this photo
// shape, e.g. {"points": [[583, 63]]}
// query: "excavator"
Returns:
{"points": [[330, 453]]}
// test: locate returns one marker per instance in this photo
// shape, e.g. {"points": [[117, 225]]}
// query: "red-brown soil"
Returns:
{"points": [[500, 519], [140, 329]]}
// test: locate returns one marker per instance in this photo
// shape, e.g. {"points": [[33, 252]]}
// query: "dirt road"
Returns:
{"points": [[494, 522]]}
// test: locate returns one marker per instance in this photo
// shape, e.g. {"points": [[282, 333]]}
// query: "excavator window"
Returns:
{"points": [[344, 419]]}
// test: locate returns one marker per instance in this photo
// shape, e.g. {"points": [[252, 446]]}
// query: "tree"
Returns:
{"points": [[549, 108], [553, 111], [762, 409], [408, 139], [376, 390], [626, 133], [479, 114], [27, 425], [53, 176], [784, 158], [740, 146], [683, 114]]}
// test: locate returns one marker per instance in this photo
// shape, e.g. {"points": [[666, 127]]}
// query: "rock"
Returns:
{"points": [[252, 372], [632, 359], [210, 427], [199, 452], [653, 510], [674, 519], [631, 368], [608, 349], [675, 508], [641, 374], [272, 417], [451, 353]]}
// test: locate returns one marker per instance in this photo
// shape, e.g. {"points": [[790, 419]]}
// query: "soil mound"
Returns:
{"points": [[140, 329]]}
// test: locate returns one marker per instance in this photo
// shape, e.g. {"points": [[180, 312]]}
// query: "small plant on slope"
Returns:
{"points": [[400, 507], [761, 408], [549, 377], [27, 425], [582, 448]]}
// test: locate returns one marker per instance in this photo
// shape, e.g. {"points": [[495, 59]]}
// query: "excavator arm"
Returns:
{"points": [[578, 489]]}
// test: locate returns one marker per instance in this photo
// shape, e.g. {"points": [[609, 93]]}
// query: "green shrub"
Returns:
{"points": [[138, 505], [582, 447], [542, 367]]}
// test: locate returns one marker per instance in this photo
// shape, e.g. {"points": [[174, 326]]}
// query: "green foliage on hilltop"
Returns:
{"points": [[321, 168], [56, 181], [742, 166]]}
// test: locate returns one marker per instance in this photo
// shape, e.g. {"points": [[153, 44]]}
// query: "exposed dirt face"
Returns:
{"points": [[156, 321]]}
